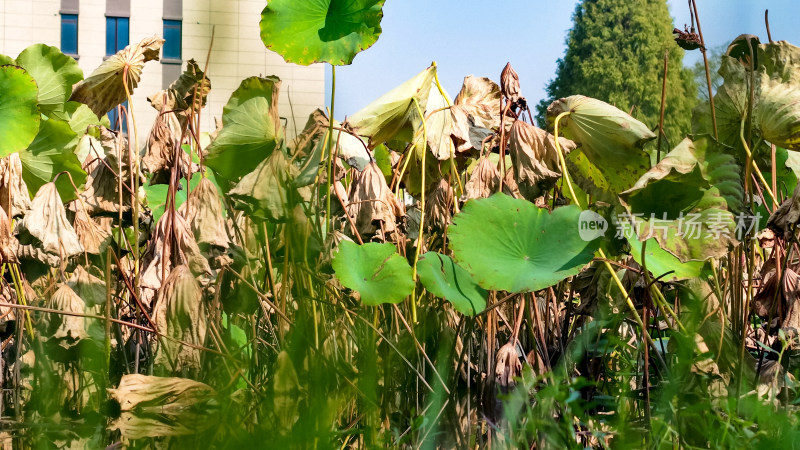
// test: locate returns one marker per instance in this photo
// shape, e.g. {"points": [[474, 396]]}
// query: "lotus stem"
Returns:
{"points": [[330, 151], [561, 157], [422, 211], [755, 166]]}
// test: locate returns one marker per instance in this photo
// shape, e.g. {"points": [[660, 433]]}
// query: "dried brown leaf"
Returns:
{"points": [[438, 205], [508, 367], [8, 243], [484, 181], [14, 196], [180, 313], [47, 224], [509, 83], [203, 211], [372, 204], [159, 394], [535, 158]]}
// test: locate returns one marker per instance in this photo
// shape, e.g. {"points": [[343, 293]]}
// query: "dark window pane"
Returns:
{"points": [[123, 35], [111, 35], [69, 34], [114, 116], [116, 34], [172, 39]]}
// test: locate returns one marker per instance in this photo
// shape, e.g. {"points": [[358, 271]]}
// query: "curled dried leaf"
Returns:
{"points": [[163, 145], [47, 224], [203, 211], [88, 287], [535, 158], [94, 237], [510, 187], [180, 313], [784, 220], [509, 83], [8, 243], [508, 367], [102, 187], [67, 330], [438, 205], [476, 112], [484, 181], [14, 196], [172, 245], [372, 204], [159, 394], [105, 87]]}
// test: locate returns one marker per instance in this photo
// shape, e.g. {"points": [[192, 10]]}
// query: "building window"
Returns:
{"points": [[117, 34], [69, 34], [172, 40]]}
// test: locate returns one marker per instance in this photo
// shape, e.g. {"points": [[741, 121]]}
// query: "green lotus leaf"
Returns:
{"points": [[19, 116], [610, 140], [311, 31], [375, 271], [104, 89], [6, 60], [251, 129], [394, 116], [52, 152], [512, 245], [692, 201], [266, 191], [54, 72], [660, 262], [446, 279], [776, 98]]}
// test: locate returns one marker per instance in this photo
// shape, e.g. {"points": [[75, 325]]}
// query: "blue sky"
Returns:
{"points": [[471, 37]]}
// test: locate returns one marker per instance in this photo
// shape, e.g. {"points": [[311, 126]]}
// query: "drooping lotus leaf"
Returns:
{"points": [[787, 173], [351, 149], [440, 126], [265, 192], [535, 159], [372, 204], [19, 115], [192, 84], [159, 394], [375, 271], [609, 140], [692, 201], [476, 111], [446, 279], [104, 88], [394, 116], [484, 181], [203, 212], [180, 313], [47, 224], [251, 129], [49, 154], [660, 262], [312, 31], [8, 243], [54, 72], [512, 245], [80, 118], [14, 195], [776, 95]]}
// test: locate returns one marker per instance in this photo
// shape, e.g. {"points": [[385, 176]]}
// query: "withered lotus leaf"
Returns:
{"points": [[104, 88], [476, 111], [159, 394], [438, 205], [203, 211], [65, 329], [159, 259], [8, 243], [535, 158], [372, 204], [484, 181], [180, 314], [14, 196], [47, 223], [91, 234]]}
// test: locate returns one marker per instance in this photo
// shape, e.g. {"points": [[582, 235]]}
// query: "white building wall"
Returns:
{"points": [[237, 52], [26, 22]]}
